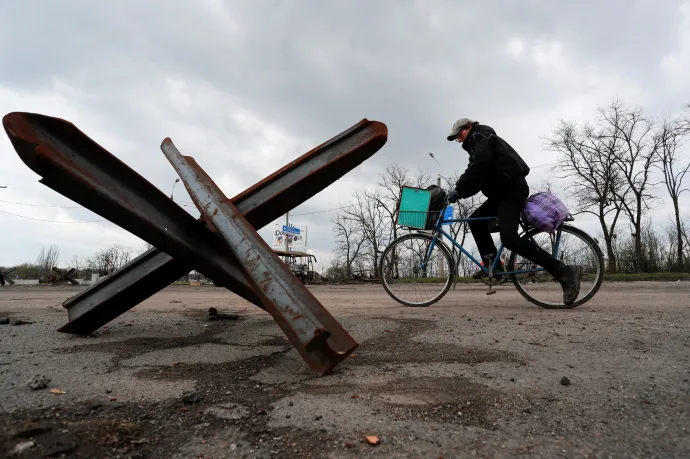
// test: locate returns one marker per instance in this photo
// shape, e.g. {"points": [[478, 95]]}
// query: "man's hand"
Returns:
{"points": [[452, 195]]}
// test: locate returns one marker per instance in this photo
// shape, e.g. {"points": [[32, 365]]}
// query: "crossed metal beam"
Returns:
{"points": [[3, 276], [65, 276], [223, 244]]}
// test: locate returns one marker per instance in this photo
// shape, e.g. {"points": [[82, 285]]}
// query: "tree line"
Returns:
{"points": [[617, 167], [103, 262]]}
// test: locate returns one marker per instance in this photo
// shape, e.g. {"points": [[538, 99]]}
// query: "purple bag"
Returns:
{"points": [[545, 211]]}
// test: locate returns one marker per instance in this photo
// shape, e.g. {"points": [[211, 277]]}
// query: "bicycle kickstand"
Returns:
{"points": [[491, 281], [491, 290]]}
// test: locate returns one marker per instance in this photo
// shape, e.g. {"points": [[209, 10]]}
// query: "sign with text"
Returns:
{"points": [[290, 229], [296, 238]]}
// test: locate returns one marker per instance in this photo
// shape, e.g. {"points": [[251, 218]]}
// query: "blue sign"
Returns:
{"points": [[448, 214], [290, 229]]}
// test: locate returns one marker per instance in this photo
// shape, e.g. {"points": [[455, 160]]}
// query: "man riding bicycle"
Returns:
{"points": [[499, 173]]}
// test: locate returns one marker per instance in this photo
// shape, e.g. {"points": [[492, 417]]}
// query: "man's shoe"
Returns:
{"points": [[488, 261], [570, 281]]}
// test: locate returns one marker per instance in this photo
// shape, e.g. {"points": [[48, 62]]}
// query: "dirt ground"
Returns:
{"points": [[471, 376]]}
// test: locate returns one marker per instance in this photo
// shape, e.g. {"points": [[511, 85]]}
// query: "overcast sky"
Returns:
{"points": [[247, 86]]}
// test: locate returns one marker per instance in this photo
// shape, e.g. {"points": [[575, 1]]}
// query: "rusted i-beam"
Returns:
{"points": [[65, 276], [305, 322], [75, 166], [152, 271], [3, 276]]}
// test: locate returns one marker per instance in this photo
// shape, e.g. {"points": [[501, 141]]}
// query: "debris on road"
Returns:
{"points": [[373, 440], [192, 397], [57, 391], [213, 314], [38, 382], [19, 322], [565, 381], [21, 447], [4, 320]]}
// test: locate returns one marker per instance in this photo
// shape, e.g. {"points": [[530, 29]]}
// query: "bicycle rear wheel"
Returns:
{"points": [[574, 247], [416, 270]]}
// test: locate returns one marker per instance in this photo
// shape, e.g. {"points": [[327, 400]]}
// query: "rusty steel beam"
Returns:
{"points": [[38, 138], [311, 329], [261, 204], [75, 166], [65, 276], [3, 276]]}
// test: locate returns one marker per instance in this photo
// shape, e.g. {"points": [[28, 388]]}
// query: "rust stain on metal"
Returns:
{"points": [[50, 140]]}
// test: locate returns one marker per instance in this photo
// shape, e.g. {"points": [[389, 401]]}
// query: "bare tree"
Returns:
{"points": [[77, 264], [635, 161], [110, 260], [588, 159], [368, 216], [46, 260], [348, 243], [670, 137]]}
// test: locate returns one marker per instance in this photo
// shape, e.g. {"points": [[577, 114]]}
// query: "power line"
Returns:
{"points": [[41, 205], [318, 211], [543, 165], [51, 221]]}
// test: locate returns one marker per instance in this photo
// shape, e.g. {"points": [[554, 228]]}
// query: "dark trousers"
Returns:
{"points": [[506, 204]]}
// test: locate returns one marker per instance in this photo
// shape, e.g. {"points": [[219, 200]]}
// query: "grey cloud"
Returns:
{"points": [[315, 68]]}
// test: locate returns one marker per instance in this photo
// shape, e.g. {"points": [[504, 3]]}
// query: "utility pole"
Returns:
{"points": [[285, 234]]}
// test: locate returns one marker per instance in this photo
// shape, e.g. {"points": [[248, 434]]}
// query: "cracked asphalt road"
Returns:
{"points": [[471, 376]]}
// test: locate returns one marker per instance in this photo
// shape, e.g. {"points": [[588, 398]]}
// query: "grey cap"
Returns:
{"points": [[458, 125]]}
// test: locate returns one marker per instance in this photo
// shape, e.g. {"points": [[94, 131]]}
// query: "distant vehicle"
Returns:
{"points": [[301, 264]]}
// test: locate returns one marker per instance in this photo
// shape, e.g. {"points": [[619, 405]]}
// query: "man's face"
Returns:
{"points": [[462, 135]]}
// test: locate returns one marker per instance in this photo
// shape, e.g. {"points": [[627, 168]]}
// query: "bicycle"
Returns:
{"points": [[401, 269]]}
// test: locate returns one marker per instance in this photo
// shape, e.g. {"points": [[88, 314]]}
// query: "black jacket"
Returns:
{"points": [[494, 165]]}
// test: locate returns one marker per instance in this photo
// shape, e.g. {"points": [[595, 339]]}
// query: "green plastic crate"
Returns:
{"points": [[414, 207]]}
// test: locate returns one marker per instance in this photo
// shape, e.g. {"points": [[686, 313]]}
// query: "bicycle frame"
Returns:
{"points": [[490, 270]]}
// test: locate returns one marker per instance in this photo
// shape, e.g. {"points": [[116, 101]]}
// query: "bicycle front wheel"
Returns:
{"points": [[573, 247], [416, 270]]}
